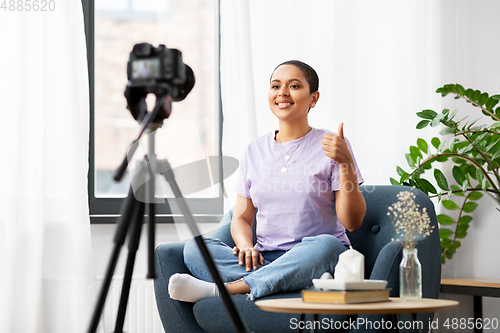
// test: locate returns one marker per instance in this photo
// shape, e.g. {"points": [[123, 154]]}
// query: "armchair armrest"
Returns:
{"points": [[386, 266], [176, 316]]}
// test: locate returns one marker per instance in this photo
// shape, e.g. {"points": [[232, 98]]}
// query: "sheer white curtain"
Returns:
{"points": [[378, 64], [46, 281]]}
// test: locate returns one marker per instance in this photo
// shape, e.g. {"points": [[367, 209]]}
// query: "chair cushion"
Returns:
{"points": [[211, 315]]}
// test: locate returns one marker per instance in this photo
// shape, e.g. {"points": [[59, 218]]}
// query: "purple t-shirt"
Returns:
{"points": [[297, 203]]}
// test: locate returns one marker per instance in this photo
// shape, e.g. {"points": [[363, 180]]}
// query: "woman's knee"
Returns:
{"points": [[192, 252], [327, 244]]}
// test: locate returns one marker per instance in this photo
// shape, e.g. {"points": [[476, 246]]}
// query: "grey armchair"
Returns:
{"points": [[373, 239]]}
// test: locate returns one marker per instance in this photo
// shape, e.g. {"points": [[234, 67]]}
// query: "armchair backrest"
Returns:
{"points": [[377, 229]]}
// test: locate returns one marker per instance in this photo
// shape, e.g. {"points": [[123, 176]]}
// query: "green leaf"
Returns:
{"points": [[394, 181], [469, 207], [445, 233], [447, 130], [443, 90], [475, 95], [475, 195], [479, 175], [458, 160], [453, 114], [423, 124], [469, 92], [448, 204], [491, 146], [410, 160], [442, 158], [426, 185], [427, 114], [401, 172], [490, 103], [422, 145], [441, 146], [483, 98], [452, 144], [484, 184], [437, 120], [435, 142], [496, 155], [415, 152], [441, 179], [460, 90], [462, 230], [446, 242], [465, 186], [457, 190], [465, 150], [465, 219], [458, 174], [445, 219]]}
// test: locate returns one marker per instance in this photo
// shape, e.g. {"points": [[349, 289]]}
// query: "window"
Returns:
{"points": [[190, 134]]}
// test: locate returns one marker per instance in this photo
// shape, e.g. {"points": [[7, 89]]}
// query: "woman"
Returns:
{"points": [[304, 185]]}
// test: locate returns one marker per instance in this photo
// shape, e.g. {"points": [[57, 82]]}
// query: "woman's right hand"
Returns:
{"points": [[249, 257]]}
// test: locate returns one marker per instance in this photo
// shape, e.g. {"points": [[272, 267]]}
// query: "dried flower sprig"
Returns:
{"points": [[410, 222]]}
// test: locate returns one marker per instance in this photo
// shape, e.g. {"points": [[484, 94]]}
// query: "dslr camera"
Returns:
{"points": [[157, 70]]}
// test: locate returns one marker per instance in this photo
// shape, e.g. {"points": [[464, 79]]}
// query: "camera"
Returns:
{"points": [[157, 70]]}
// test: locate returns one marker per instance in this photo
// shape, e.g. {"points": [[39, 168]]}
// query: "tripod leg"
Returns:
{"points": [[133, 245], [151, 241], [126, 210], [239, 326]]}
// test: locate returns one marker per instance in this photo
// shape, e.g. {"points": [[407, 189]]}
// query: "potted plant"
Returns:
{"points": [[474, 150]]}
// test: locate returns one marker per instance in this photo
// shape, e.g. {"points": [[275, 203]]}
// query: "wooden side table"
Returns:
{"points": [[476, 287], [394, 306]]}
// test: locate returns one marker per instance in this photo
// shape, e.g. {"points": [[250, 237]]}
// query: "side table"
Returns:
{"points": [[477, 287], [394, 306]]}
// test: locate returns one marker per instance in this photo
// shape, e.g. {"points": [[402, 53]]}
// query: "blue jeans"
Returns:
{"points": [[283, 271]]}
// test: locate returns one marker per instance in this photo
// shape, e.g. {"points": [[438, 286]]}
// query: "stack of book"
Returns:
{"points": [[316, 295]]}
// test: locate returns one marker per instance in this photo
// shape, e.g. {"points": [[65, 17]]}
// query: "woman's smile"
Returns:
{"points": [[284, 105]]}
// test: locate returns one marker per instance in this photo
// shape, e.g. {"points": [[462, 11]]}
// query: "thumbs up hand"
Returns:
{"points": [[335, 147]]}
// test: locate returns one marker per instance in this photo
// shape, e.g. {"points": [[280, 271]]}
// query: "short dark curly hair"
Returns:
{"points": [[309, 72]]}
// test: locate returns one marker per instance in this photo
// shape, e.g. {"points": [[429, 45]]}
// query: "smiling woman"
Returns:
{"points": [[300, 230]]}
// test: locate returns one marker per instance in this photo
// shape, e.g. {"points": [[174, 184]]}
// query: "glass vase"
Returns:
{"points": [[410, 276]]}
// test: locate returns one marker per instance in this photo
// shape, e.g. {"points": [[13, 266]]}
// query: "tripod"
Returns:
{"points": [[141, 200]]}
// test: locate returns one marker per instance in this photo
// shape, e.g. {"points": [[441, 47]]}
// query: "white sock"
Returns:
{"points": [[187, 288]]}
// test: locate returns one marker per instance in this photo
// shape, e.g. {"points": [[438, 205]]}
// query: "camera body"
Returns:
{"points": [[160, 63], [158, 70]]}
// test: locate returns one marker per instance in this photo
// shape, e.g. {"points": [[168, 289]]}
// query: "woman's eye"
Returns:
{"points": [[294, 86]]}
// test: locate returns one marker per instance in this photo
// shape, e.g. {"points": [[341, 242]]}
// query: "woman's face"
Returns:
{"points": [[289, 96]]}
